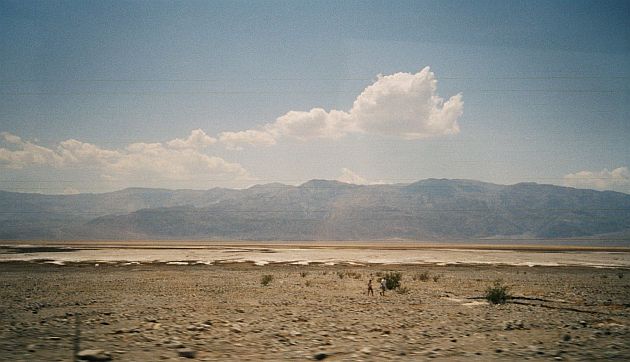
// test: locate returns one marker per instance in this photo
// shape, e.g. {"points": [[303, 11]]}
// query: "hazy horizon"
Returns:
{"points": [[299, 184]]}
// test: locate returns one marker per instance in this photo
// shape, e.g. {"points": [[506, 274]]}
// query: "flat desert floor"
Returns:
{"points": [[222, 311]]}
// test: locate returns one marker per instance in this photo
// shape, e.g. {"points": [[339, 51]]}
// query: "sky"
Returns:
{"points": [[98, 96]]}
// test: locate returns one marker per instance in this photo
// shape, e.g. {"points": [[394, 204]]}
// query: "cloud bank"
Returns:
{"points": [[617, 179], [178, 159], [402, 105]]}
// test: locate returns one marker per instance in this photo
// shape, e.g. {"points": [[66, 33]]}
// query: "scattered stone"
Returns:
{"points": [[515, 324], [94, 355], [186, 352], [173, 344]]}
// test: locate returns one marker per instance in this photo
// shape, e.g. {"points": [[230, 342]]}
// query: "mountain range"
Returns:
{"points": [[432, 209]]}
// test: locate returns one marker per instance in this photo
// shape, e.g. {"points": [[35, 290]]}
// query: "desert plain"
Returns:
{"points": [[175, 310]]}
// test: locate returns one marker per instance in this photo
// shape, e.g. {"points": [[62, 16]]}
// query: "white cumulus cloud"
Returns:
{"points": [[23, 153], [617, 179], [198, 139], [316, 123], [235, 140], [407, 106], [403, 105], [179, 159], [350, 177]]}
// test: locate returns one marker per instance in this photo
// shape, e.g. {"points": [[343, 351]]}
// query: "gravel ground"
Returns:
{"points": [[156, 311]]}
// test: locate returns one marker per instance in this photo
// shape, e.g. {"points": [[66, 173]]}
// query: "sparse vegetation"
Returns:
{"points": [[340, 274], [436, 277], [304, 274], [497, 293], [266, 279], [402, 290], [423, 277], [392, 280], [620, 275], [308, 283], [354, 275]]}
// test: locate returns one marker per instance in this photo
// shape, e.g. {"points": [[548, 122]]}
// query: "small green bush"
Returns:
{"points": [[497, 293], [266, 279], [392, 280]]}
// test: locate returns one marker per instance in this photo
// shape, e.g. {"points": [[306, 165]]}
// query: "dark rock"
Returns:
{"points": [[186, 352]]}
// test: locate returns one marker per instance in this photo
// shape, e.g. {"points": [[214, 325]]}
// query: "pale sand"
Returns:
{"points": [[221, 311]]}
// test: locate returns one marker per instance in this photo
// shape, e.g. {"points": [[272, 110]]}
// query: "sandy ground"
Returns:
{"points": [[222, 311]]}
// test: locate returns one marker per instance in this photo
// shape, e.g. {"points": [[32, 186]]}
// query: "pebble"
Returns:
{"points": [[94, 355]]}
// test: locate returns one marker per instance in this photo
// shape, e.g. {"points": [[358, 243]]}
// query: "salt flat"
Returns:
{"points": [[325, 253]]}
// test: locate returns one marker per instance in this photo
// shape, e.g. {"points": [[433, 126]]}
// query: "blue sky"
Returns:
{"points": [[544, 87]]}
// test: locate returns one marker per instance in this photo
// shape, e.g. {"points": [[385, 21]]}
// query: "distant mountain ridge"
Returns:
{"points": [[432, 209]]}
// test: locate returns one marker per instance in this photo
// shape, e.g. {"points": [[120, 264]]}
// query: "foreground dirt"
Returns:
{"points": [[166, 312]]}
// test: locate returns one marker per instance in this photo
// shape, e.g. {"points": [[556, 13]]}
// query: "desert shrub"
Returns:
{"points": [[266, 279], [340, 274], [304, 274], [402, 290], [497, 293], [354, 275], [423, 277], [620, 275], [308, 283], [392, 280], [436, 278]]}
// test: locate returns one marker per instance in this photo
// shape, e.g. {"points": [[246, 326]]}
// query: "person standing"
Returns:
{"points": [[370, 290], [383, 286]]}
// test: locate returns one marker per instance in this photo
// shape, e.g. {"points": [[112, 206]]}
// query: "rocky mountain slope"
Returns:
{"points": [[321, 210]]}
